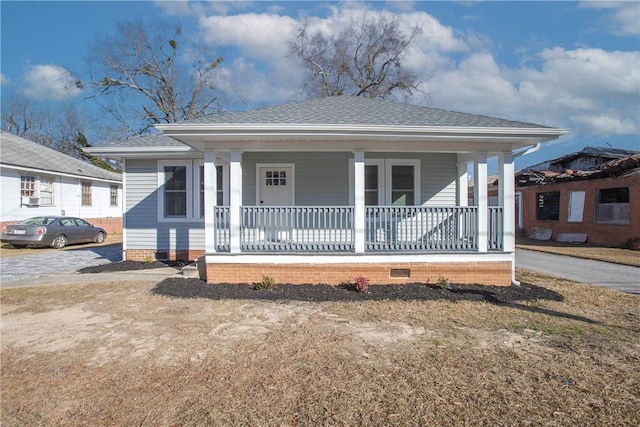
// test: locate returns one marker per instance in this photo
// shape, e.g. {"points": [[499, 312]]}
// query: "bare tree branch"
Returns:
{"points": [[141, 66], [365, 59]]}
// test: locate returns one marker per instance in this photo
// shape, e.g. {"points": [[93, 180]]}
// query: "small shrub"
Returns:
{"points": [[148, 260], [361, 284], [267, 283], [443, 282]]}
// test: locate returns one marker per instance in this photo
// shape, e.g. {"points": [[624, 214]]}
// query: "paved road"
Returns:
{"points": [[614, 276], [56, 262]]}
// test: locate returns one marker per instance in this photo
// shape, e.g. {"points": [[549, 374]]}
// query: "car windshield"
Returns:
{"points": [[40, 220]]}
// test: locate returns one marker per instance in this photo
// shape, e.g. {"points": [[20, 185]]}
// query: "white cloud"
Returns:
{"points": [[49, 81], [258, 35], [4, 80], [589, 90], [624, 17]]}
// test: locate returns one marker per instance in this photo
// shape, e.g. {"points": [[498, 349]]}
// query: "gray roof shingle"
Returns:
{"points": [[158, 140], [352, 110], [17, 151]]}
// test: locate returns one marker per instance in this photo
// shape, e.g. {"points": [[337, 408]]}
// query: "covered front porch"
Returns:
{"points": [[423, 227]]}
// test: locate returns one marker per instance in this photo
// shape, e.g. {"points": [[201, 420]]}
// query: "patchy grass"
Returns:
{"points": [[6, 250], [598, 253], [103, 354]]}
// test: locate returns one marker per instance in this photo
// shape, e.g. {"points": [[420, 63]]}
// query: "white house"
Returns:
{"points": [[325, 190], [37, 180]]}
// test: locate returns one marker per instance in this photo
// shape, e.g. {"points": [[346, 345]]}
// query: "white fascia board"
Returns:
{"points": [[144, 152], [280, 129], [52, 172]]}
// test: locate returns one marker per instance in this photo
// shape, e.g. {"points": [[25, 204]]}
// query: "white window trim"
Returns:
{"points": [[384, 178], [276, 165], [190, 191]]}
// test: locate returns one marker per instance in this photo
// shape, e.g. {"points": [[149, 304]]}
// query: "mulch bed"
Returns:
{"points": [[195, 288]]}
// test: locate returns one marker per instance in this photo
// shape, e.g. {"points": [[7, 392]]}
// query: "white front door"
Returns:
{"points": [[276, 185]]}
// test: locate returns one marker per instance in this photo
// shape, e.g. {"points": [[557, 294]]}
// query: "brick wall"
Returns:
{"points": [[152, 254], [600, 234], [487, 273]]}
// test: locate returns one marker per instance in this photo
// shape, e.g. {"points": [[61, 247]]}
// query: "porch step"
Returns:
{"points": [[190, 271]]}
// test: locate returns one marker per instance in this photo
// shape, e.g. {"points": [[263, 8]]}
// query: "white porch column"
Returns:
{"points": [[506, 194], [235, 200], [210, 200], [462, 186], [481, 199], [359, 213]]}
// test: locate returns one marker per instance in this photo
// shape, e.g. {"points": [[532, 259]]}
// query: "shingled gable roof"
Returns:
{"points": [[20, 152], [352, 110]]}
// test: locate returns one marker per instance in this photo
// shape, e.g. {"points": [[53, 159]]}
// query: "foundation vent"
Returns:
{"points": [[403, 273]]}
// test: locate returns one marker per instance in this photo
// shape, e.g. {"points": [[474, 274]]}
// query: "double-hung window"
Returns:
{"points": [[402, 184], [46, 191], [113, 195], [391, 182], [86, 193], [175, 191], [181, 189]]}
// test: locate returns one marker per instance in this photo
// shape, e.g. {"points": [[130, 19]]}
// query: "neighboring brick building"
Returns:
{"points": [[595, 192]]}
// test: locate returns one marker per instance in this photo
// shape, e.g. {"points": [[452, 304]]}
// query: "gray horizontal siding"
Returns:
{"points": [[143, 229], [321, 179]]}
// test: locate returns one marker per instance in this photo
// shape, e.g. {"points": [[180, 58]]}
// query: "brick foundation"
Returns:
{"points": [[152, 254], [486, 273]]}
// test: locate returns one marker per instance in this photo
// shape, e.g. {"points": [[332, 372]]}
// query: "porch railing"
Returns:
{"points": [[331, 229], [297, 228], [495, 228], [421, 228], [221, 232]]}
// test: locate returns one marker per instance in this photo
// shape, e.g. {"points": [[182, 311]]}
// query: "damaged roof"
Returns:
{"points": [[590, 163]]}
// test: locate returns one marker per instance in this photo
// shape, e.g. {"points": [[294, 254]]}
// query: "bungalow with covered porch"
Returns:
{"points": [[322, 191]]}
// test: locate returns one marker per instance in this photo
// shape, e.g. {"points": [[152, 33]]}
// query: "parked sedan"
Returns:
{"points": [[52, 231]]}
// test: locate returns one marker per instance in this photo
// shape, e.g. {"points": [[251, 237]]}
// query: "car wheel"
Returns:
{"points": [[59, 242], [99, 238]]}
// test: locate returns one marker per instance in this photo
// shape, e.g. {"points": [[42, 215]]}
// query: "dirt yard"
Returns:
{"points": [[128, 354]]}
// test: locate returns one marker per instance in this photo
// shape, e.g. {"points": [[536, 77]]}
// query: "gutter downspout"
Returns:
{"points": [[533, 149]]}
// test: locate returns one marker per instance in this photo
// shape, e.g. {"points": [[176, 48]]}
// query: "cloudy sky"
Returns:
{"points": [[567, 64]]}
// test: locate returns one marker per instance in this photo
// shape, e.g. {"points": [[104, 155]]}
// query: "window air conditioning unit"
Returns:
{"points": [[30, 201]]}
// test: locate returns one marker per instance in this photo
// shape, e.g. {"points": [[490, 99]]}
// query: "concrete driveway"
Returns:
{"points": [[614, 276]]}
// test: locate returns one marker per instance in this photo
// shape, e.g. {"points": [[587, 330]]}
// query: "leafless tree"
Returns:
{"points": [[62, 128], [140, 76], [27, 119], [364, 59]]}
